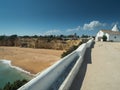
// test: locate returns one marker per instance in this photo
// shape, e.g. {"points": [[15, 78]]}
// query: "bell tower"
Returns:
{"points": [[115, 28]]}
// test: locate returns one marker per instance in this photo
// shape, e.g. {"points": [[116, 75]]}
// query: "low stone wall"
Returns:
{"points": [[54, 74]]}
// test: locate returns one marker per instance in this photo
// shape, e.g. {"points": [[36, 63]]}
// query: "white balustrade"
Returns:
{"points": [[48, 77]]}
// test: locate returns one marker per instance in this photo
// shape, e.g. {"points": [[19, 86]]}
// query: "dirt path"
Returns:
{"points": [[103, 70]]}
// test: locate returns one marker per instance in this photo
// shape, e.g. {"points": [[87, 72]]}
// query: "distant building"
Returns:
{"points": [[112, 35]]}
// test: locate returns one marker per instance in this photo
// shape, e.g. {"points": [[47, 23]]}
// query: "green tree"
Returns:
{"points": [[13, 37], [12, 40], [2, 37], [104, 38]]}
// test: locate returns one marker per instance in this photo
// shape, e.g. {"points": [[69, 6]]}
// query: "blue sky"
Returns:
{"points": [[44, 17]]}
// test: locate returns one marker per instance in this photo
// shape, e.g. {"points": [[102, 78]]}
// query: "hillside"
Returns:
{"points": [[56, 43]]}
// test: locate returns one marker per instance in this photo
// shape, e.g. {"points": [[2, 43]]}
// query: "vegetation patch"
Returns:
{"points": [[104, 38], [60, 42], [71, 49], [14, 86]]}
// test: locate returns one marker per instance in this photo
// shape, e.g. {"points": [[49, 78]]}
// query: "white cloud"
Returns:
{"points": [[53, 32], [93, 25], [87, 26], [74, 29]]}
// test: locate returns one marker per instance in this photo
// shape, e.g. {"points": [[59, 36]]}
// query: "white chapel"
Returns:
{"points": [[112, 35]]}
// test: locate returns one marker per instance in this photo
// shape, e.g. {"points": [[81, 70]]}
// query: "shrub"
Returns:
{"points": [[104, 38], [17, 84], [71, 49]]}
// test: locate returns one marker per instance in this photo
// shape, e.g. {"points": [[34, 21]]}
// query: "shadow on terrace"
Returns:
{"points": [[77, 82]]}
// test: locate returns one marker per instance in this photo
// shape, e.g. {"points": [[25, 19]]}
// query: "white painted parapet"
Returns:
{"points": [[48, 77], [69, 79]]}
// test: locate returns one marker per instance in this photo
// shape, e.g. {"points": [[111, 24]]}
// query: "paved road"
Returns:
{"points": [[101, 68]]}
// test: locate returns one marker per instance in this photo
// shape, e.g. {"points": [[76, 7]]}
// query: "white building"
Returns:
{"points": [[112, 35]]}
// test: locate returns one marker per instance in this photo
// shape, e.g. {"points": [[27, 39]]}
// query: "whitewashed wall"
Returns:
{"points": [[44, 80], [99, 34], [81, 51], [112, 38]]}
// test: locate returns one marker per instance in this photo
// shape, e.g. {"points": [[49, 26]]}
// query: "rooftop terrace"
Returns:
{"points": [[100, 69]]}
